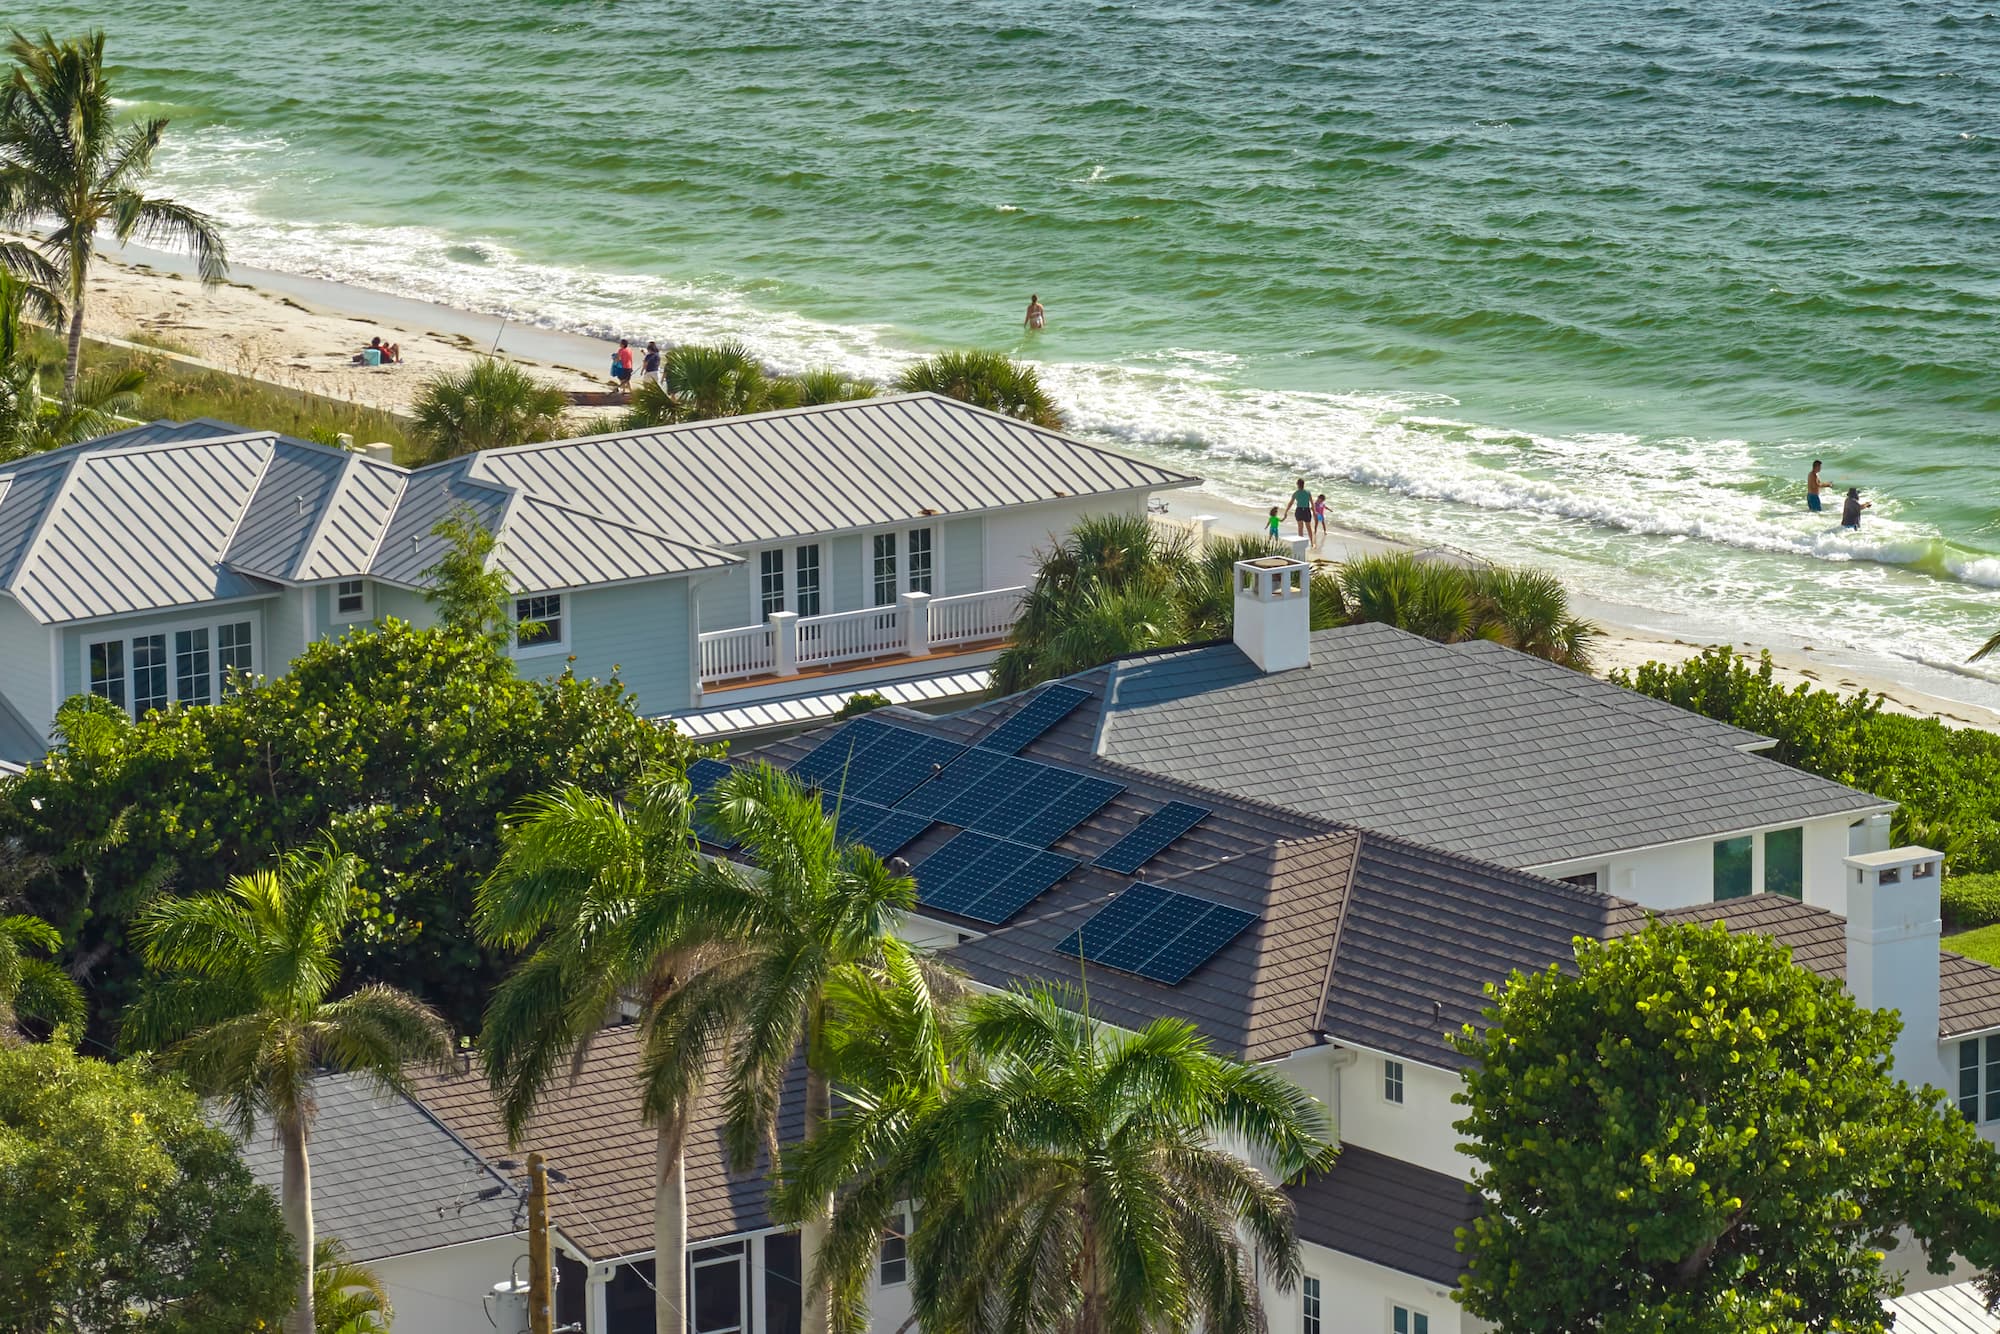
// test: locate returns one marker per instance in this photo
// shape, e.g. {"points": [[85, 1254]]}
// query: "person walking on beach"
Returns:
{"points": [[1850, 509], [1814, 485], [1273, 524], [621, 365], [652, 371], [1302, 509], [1319, 519], [1037, 317]]}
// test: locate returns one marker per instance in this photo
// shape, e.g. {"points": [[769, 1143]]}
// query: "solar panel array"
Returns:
{"points": [[1159, 934], [1023, 800], [703, 775], [1032, 719], [1151, 838], [881, 830], [870, 760], [987, 879]]}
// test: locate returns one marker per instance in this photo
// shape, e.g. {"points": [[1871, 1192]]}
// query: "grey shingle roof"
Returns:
{"points": [[1387, 1211], [590, 1128], [388, 1178], [819, 469], [1467, 747]]}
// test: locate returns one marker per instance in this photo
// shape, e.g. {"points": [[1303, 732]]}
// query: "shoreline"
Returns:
{"points": [[300, 332]]}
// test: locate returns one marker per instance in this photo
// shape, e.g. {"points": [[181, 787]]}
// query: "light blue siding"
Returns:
{"points": [[843, 573], [727, 599], [24, 665], [286, 615], [964, 551], [403, 604], [640, 631]]}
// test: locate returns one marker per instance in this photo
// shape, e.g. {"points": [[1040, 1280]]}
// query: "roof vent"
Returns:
{"points": [[1274, 612]]}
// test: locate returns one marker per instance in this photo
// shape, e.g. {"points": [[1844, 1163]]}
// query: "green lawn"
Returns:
{"points": [[1982, 944]]}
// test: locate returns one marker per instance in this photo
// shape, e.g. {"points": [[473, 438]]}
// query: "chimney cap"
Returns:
{"points": [[1893, 857], [1272, 563]]}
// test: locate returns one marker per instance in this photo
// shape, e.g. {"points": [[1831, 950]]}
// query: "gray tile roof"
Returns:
{"points": [[1467, 747], [388, 1178], [1386, 1211], [590, 1128], [821, 469]]}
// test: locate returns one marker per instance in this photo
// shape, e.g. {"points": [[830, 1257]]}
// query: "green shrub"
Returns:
{"points": [[865, 702], [1972, 900], [1946, 779]]}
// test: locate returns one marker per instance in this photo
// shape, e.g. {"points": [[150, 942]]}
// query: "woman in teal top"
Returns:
{"points": [[1302, 509]]}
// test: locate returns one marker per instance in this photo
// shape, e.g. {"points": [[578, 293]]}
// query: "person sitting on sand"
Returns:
{"points": [[1273, 523], [1302, 509], [378, 353], [1850, 509], [1037, 317], [1814, 485]]}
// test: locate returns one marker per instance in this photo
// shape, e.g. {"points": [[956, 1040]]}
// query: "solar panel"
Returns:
{"points": [[1032, 719], [987, 879], [825, 763], [895, 831], [1066, 809], [962, 773], [703, 775], [1151, 838], [1156, 933], [874, 761]]}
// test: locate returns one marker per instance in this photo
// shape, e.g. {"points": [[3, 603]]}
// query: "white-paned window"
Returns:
{"points": [[771, 581], [1979, 1079], [149, 674], [896, 1251], [1309, 1305], [1392, 1081], [920, 560], [232, 652], [716, 1292], [886, 586], [107, 670], [538, 622], [193, 674], [1403, 1320], [806, 577], [350, 598]]}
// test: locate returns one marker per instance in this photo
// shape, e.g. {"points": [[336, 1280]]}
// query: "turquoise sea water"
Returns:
{"points": [[1582, 283]]}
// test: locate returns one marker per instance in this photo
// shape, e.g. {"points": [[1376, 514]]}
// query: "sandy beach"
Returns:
{"points": [[303, 332]]}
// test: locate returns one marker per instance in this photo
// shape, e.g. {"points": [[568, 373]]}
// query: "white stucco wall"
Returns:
{"points": [[1013, 536], [442, 1291], [1417, 1130], [1356, 1296], [1681, 875]]}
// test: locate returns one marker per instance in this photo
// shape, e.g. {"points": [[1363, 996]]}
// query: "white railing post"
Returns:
{"points": [[1202, 523], [916, 614], [1301, 547], [785, 641]]}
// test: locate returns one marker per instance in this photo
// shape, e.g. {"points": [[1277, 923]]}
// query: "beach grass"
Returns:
{"points": [[182, 392], [1982, 944]]}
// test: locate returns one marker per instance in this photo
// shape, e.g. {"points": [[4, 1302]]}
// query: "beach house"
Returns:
{"points": [[786, 555], [1338, 952]]}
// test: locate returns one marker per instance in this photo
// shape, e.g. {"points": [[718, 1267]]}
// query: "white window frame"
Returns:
{"points": [[766, 602], [1395, 1081], [898, 1232], [901, 534], [170, 634], [339, 617], [1985, 1072], [910, 576], [1311, 1308], [1411, 1325], [798, 590], [738, 1255], [543, 648]]}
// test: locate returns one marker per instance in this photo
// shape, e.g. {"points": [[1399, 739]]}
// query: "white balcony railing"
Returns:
{"points": [[917, 624]]}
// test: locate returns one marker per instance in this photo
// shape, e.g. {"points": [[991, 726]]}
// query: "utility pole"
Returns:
{"points": [[541, 1278]]}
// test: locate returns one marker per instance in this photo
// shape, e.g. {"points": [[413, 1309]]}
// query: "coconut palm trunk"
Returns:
{"points": [[297, 1206], [73, 363], [817, 1317], [670, 1226]]}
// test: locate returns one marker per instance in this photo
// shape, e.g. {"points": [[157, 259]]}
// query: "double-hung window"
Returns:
{"points": [[1309, 1305], [192, 677], [806, 580], [107, 670], [920, 560], [1979, 1079], [770, 582], [886, 586], [538, 621], [149, 674], [1403, 1320], [350, 598], [1392, 1081], [232, 652], [896, 1251]]}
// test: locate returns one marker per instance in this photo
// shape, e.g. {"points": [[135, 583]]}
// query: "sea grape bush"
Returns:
{"points": [[1947, 779]]}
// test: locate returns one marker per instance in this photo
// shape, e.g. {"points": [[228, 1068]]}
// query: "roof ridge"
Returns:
{"points": [[402, 479], [306, 550], [249, 498]]}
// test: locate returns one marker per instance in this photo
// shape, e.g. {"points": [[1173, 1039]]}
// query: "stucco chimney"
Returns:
{"points": [[1893, 929], [1274, 612], [380, 449]]}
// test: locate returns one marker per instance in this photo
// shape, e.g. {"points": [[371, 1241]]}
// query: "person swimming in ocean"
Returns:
{"points": [[1814, 485], [1850, 509], [1037, 317]]}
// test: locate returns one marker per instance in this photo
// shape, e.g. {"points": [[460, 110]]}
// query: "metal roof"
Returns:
{"points": [[1958, 1309], [1474, 748], [835, 466]]}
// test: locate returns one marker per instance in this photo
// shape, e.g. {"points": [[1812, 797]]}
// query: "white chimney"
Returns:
{"points": [[1893, 929], [380, 449], [1274, 612]]}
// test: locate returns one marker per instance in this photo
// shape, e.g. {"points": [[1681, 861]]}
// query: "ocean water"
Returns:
{"points": [[1578, 283]]}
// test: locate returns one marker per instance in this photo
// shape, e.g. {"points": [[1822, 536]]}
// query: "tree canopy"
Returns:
{"points": [[122, 1210], [1690, 1133]]}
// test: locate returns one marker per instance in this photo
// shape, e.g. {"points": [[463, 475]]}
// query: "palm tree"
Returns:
{"points": [[823, 384], [33, 987], [990, 380], [348, 1298], [596, 888], [64, 156], [1529, 610], [491, 404], [241, 995], [1990, 646], [1426, 597], [813, 920], [1069, 1179], [28, 422]]}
